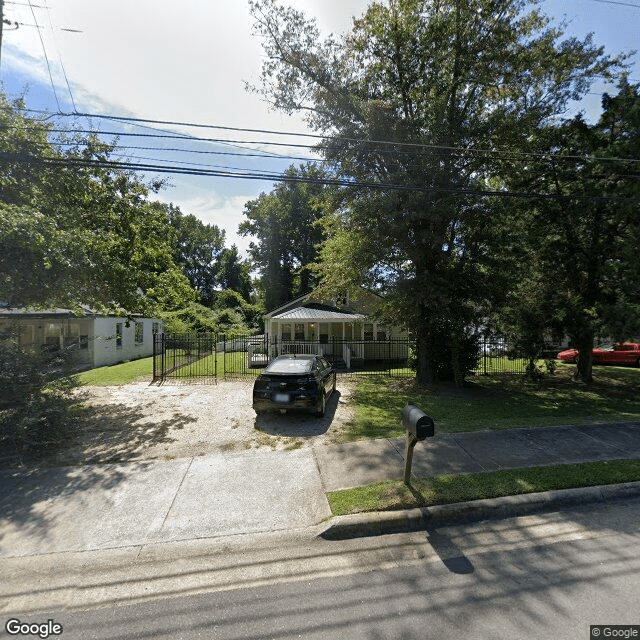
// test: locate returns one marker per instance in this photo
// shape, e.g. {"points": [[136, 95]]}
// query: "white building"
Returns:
{"points": [[95, 340], [334, 328]]}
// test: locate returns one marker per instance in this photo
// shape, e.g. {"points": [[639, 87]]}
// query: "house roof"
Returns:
{"points": [[16, 313], [318, 313], [30, 312]]}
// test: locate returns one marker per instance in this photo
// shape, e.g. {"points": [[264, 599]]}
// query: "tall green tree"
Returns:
{"points": [[73, 231], [286, 225], [585, 233], [234, 273], [198, 250], [414, 98]]}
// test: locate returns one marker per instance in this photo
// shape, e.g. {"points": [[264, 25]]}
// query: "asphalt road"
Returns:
{"points": [[541, 576]]}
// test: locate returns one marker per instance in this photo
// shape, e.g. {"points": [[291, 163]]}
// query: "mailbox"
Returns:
{"points": [[417, 422]]}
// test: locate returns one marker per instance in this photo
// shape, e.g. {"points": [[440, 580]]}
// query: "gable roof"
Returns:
{"points": [[317, 312], [313, 301]]}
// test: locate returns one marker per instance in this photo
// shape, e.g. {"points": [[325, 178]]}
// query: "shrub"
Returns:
{"points": [[36, 399]]}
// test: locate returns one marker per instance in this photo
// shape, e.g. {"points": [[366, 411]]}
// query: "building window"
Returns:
{"points": [[299, 329], [324, 333], [381, 332], [52, 336], [118, 335], [286, 331], [155, 328], [84, 342], [139, 332], [368, 331]]}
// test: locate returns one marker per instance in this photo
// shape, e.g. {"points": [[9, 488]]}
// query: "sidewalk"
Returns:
{"points": [[359, 463], [148, 502]]}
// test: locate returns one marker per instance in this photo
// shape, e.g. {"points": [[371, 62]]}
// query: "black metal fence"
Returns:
{"points": [[212, 356], [187, 356]]}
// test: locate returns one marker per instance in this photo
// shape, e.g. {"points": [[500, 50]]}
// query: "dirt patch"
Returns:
{"points": [[142, 421]]}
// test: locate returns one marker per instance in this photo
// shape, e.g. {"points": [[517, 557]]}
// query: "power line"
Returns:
{"points": [[415, 145], [625, 4], [446, 148], [44, 50], [279, 177], [506, 155], [64, 73], [203, 152]]}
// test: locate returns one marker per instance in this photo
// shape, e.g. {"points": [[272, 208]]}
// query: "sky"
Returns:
{"points": [[189, 62]]}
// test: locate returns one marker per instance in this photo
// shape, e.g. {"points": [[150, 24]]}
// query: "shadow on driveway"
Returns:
{"points": [[295, 423]]}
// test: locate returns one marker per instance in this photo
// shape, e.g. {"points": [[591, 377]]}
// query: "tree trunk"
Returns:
{"points": [[424, 372], [584, 369]]}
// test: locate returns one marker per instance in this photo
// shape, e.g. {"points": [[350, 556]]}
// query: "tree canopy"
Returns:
{"points": [[77, 233], [286, 225], [585, 239], [424, 99]]}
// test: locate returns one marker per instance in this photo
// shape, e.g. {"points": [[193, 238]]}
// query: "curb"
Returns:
{"points": [[386, 522]]}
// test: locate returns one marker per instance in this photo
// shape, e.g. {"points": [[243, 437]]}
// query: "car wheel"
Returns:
{"points": [[322, 405]]}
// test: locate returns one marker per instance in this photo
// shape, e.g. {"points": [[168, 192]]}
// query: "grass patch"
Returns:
{"points": [[117, 374], [219, 365], [496, 402], [447, 489]]}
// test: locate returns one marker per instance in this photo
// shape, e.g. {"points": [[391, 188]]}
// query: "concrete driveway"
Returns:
{"points": [[116, 505]]}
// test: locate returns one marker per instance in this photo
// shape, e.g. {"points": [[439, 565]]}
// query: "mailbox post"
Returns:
{"points": [[419, 426]]}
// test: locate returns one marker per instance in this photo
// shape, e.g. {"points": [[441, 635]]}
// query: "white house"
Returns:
{"points": [[340, 329], [96, 340]]}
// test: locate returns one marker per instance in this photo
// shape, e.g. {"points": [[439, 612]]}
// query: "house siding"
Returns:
{"points": [[94, 335], [109, 349]]}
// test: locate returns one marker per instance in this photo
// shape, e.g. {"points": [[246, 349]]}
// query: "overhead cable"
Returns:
{"points": [[280, 177]]}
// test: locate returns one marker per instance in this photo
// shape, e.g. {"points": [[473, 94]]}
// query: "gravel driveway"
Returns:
{"points": [[142, 421]]}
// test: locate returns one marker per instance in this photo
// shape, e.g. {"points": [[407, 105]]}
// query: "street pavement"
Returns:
{"points": [[102, 507]]}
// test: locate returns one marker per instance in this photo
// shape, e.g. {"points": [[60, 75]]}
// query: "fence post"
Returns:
{"points": [[163, 364], [484, 353], [155, 337]]}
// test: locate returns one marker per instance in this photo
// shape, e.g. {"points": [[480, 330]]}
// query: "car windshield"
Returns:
{"points": [[290, 365]]}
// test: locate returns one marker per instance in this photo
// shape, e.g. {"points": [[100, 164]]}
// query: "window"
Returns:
{"points": [[84, 342], [368, 331], [155, 328], [118, 335], [381, 332], [299, 331], [286, 331], [139, 332], [52, 336]]}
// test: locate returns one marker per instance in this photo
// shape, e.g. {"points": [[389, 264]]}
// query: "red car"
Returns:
{"points": [[621, 353]]}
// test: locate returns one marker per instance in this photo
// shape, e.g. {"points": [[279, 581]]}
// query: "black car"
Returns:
{"points": [[295, 382]]}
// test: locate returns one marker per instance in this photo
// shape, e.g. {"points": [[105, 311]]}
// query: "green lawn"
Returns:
{"points": [[496, 402], [117, 374], [221, 364], [447, 489], [142, 369]]}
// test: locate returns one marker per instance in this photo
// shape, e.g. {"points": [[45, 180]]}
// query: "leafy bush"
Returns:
{"points": [[36, 399], [195, 318]]}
